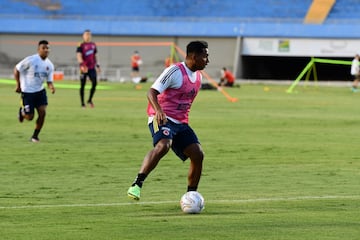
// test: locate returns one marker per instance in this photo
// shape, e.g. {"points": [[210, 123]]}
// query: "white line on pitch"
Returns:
{"points": [[329, 197]]}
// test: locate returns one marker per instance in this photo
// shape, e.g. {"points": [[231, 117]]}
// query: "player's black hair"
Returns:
{"points": [[196, 47], [87, 30], [43, 42]]}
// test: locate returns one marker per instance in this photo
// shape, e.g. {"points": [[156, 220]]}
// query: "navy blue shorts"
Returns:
{"points": [[135, 69], [92, 76], [182, 136], [30, 101]]}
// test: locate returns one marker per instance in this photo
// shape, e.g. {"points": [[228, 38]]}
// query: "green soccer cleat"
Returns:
{"points": [[134, 192]]}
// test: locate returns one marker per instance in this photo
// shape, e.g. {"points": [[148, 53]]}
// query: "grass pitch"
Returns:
{"points": [[277, 166]]}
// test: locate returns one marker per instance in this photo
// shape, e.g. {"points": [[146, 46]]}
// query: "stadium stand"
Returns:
{"points": [[318, 11], [225, 9], [227, 18], [344, 11], [215, 17]]}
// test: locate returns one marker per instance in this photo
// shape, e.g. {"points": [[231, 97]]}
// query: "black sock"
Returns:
{"points": [[139, 179], [191, 188], [36, 133]]}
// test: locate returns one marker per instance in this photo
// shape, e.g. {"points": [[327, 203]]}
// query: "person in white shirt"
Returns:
{"points": [[30, 75], [355, 71]]}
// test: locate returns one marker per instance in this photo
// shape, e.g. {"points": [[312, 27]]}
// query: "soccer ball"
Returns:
{"points": [[192, 202]]}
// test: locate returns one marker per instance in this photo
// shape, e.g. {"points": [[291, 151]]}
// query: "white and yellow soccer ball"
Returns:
{"points": [[192, 202]]}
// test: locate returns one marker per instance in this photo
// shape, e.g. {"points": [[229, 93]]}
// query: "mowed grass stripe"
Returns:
{"points": [[223, 201]]}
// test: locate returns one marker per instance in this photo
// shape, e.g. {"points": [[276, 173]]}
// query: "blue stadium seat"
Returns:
{"points": [[223, 9], [186, 17], [170, 9], [344, 10]]}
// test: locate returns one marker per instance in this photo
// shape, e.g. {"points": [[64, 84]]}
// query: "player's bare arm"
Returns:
{"points": [[159, 115], [83, 67], [51, 87], [79, 58], [17, 78], [97, 66]]}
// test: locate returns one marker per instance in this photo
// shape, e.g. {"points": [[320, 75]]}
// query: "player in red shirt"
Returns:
{"points": [[86, 57], [227, 78], [136, 61]]}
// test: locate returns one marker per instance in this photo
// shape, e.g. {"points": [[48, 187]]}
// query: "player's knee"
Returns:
{"points": [[163, 147], [42, 113], [29, 117], [195, 150], [197, 156], [200, 155]]}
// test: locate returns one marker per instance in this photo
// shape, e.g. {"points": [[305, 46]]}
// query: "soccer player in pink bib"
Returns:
{"points": [[170, 98]]}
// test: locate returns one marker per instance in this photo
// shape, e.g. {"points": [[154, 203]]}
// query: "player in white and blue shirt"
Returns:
{"points": [[30, 75]]}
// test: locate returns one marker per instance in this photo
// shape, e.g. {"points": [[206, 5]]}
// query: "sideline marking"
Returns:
{"points": [[354, 197], [60, 85]]}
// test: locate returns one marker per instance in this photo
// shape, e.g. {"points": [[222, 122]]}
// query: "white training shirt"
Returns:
{"points": [[172, 77], [34, 71], [354, 67]]}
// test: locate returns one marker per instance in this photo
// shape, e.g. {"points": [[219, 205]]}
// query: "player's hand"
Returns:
{"points": [[18, 89], [52, 89], [83, 68], [161, 118]]}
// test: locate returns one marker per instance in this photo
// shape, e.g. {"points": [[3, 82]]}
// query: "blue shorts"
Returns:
{"points": [[92, 76], [135, 69], [182, 136], [30, 101]]}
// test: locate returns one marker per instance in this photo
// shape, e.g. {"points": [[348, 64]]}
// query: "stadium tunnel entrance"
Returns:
{"points": [[289, 68]]}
